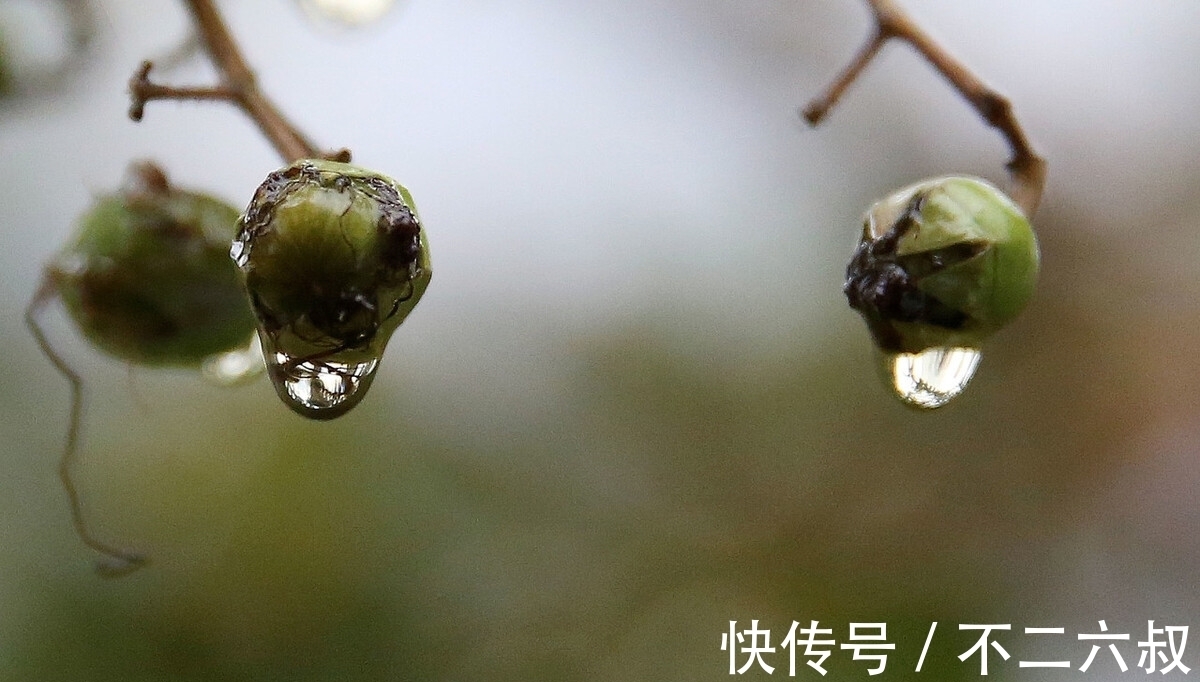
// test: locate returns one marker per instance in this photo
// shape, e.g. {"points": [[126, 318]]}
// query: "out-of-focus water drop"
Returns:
{"points": [[320, 389], [350, 13], [235, 366], [41, 42], [933, 377]]}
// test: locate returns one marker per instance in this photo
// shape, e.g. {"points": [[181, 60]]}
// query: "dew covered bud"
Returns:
{"points": [[147, 278], [334, 259], [944, 263]]}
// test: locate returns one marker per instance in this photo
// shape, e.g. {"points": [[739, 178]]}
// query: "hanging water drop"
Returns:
{"points": [[932, 377], [318, 389]]}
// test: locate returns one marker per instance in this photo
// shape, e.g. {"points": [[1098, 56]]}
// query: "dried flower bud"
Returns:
{"points": [[944, 263], [334, 259], [146, 277]]}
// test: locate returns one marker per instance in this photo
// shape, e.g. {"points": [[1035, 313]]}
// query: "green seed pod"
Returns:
{"points": [[147, 279], [944, 263], [334, 259]]}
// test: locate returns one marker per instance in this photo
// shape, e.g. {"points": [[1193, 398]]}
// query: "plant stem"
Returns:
{"points": [[238, 86], [1027, 170], [117, 561]]}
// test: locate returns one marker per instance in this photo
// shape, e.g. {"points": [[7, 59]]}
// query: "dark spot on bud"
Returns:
{"points": [[114, 307], [883, 286], [351, 318]]}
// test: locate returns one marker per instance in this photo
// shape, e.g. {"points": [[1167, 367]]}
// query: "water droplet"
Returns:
{"points": [[236, 366], [239, 251], [348, 12], [932, 377], [320, 389]]}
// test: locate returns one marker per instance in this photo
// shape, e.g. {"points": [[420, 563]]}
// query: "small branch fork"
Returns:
{"points": [[1027, 170], [238, 86]]}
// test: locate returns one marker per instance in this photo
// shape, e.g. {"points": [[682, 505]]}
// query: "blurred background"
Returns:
{"points": [[633, 405]]}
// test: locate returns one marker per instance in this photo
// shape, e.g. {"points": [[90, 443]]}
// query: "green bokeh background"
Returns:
{"points": [[632, 406]]}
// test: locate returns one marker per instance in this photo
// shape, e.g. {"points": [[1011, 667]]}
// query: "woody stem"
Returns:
{"points": [[1027, 170]]}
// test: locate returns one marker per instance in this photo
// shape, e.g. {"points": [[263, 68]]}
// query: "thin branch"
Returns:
{"points": [[816, 110], [238, 85], [1027, 170], [143, 91], [117, 562]]}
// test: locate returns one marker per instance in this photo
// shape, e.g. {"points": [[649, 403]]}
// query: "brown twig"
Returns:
{"points": [[143, 91], [117, 562], [1027, 170], [238, 86]]}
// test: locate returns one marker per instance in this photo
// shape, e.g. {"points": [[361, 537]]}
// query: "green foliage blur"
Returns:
{"points": [[613, 538]]}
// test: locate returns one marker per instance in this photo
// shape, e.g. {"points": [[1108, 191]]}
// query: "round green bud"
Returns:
{"points": [[944, 263], [146, 277], [334, 259]]}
